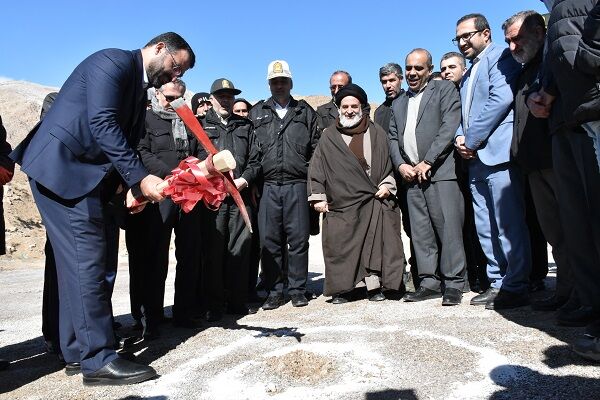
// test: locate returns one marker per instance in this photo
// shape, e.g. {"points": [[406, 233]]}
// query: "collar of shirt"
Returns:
{"points": [[410, 92], [280, 107], [480, 55]]}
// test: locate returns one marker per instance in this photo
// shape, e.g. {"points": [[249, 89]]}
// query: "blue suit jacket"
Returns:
{"points": [[92, 127], [490, 119]]}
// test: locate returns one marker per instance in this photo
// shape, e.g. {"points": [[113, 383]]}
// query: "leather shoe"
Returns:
{"points": [[119, 372], [593, 329], [213, 315], [505, 300], [273, 301], [483, 298], [341, 298], [576, 318], [376, 295], [551, 303], [4, 364], [299, 300], [421, 294], [452, 297], [126, 355], [72, 368], [588, 348]]}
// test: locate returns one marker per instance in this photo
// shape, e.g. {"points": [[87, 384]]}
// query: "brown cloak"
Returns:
{"points": [[360, 232]]}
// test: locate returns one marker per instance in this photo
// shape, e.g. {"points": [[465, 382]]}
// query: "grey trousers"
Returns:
{"points": [[436, 211], [543, 186]]}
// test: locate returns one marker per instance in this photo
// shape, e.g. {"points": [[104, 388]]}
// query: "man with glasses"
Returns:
{"points": [[484, 139], [76, 158], [327, 113], [148, 233]]}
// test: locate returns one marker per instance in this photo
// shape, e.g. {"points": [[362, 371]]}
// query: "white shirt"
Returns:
{"points": [[282, 110], [410, 136]]}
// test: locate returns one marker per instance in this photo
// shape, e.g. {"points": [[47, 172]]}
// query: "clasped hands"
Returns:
{"points": [[420, 172], [462, 149], [540, 103]]}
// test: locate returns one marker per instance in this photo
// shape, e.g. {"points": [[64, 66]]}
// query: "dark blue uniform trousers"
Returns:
{"points": [[76, 229], [283, 224]]}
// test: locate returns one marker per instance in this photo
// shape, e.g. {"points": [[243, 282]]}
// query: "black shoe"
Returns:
{"points": [[537, 286], [253, 308], [213, 315], [119, 372], [73, 368], [273, 301], [299, 300], [551, 303], [255, 298], [187, 323], [579, 317], [376, 295], [4, 364], [505, 300], [340, 298], [483, 298], [126, 355], [117, 325], [593, 329], [452, 297], [421, 294], [237, 310]]}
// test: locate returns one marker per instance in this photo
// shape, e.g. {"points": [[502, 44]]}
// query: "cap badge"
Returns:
{"points": [[225, 84], [277, 68]]}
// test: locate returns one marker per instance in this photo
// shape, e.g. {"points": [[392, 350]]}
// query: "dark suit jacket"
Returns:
{"points": [[438, 119], [326, 114], [531, 144], [91, 128]]}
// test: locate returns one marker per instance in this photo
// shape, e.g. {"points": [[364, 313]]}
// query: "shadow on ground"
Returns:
{"points": [[523, 383]]}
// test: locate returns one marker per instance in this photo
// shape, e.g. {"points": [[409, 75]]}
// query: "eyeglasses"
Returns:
{"points": [[176, 67], [168, 98], [465, 36], [333, 87]]}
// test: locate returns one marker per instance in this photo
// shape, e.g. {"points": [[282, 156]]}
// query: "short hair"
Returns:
{"points": [[436, 75], [456, 54], [530, 19], [339, 71], [427, 53], [390, 68], [177, 83], [175, 43], [481, 21]]}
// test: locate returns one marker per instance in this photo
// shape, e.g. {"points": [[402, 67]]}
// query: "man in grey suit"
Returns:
{"points": [[422, 127], [484, 139]]}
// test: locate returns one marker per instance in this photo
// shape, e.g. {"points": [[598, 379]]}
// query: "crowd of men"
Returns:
{"points": [[481, 165]]}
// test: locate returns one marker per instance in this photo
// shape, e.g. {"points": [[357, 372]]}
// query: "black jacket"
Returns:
{"points": [[571, 65], [157, 146], [326, 114], [237, 137], [383, 113], [531, 145], [286, 144]]}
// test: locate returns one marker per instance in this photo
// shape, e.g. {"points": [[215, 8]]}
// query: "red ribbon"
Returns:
{"points": [[188, 185]]}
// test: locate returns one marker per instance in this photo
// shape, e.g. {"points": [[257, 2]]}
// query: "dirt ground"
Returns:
{"points": [[359, 350]]}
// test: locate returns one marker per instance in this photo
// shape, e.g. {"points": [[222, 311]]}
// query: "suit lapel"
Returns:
{"points": [[400, 110], [427, 93]]}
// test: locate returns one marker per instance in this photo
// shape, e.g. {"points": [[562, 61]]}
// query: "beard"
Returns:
{"points": [[157, 76], [352, 121], [527, 53]]}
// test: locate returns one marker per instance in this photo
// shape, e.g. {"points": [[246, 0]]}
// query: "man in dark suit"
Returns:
{"points": [[328, 112], [525, 33], [75, 159], [422, 127], [484, 140]]}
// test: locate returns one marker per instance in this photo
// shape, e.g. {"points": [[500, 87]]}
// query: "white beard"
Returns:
{"points": [[350, 122]]}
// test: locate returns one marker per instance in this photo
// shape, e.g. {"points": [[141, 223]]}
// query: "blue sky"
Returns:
{"points": [[43, 41]]}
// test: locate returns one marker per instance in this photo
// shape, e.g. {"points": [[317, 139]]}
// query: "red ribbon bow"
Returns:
{"points": [[188, 185]]}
